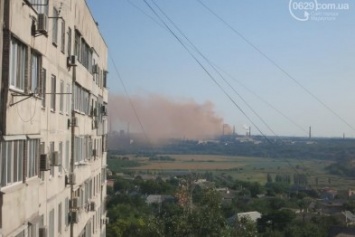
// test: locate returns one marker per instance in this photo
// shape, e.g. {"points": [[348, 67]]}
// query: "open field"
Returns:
{"points": [[245, 168]]}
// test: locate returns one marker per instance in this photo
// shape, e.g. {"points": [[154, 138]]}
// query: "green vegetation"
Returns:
{"points": [[281, 181], [197, 211], [118, 164]]}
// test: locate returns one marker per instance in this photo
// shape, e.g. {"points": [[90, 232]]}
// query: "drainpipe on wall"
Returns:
{"points": [[72, 150]]}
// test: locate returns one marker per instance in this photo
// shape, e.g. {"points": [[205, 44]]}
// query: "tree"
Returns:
{"points": [[276, 220], [245, 227]]}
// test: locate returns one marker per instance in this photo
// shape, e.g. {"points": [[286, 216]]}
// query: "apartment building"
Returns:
{"points": [[53, 126]]}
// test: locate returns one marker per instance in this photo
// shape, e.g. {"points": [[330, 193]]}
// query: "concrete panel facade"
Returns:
{"points": [[53, 88]]}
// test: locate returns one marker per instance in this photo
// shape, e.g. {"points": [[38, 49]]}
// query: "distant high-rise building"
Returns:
{"points": [[53, 126]]}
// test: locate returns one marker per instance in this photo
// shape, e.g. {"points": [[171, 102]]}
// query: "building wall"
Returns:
{"points": [[36, 120]]}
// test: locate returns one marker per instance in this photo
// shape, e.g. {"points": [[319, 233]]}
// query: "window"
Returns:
{"points": [[67, 163], [32, 157], [62, 40], [12, 154], [41, 6], [69, 41], [66, 212], [35, 72], [81, 100], [55, 26], [43, 86], [77, 45], [60, 156], [51, 224], [51, 151], [42, 151], [67, 96], [83, 51], [53, 91], [83, 150], [18, 64], [32, 229], [105, 78], [61, 96], [60, 218]]}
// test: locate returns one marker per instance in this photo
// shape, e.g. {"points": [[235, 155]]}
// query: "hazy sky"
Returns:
{"points": [[318, 53]]}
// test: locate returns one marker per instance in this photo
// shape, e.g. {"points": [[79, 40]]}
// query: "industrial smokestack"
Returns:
{"points": [[310, 132]]}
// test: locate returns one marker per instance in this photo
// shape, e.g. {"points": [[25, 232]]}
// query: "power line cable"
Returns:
{"points": [[214, 68], [130, 101], [263, 100], [206, 71], [223, 90], [273, 62], [180, 41]]}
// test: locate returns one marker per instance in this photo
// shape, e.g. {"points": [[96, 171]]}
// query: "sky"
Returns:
{"points": [[298, 59]]}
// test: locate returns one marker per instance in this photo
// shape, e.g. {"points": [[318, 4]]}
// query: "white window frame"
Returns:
{"points": [[51, 224], [60, 157], [53, 92], [51, 151], [67, 163], [60, 218], [32, 157], [34, 84], [62, 39], [18, 65], [68, 104], [12, 161], [55, 26], [61, 96], [43, 86]]}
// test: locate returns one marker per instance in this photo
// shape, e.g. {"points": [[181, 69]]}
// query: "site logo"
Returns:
{"points": [[314, 10]]}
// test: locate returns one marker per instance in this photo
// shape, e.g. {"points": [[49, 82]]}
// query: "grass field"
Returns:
{"points": [[246, 168]]}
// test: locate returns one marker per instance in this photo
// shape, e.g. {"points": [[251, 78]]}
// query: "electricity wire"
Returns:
{"points": [[219, 85], [274, 63], [205, 70], [214, 68], [130, 101]]}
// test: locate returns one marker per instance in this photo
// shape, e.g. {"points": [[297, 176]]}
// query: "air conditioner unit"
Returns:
{"points": [[42, 25], [55, 159], [94, 152], [95, 69], [75, 203], [72, 60], [92, 206], [42, 231], [74, 217], [43, 163]]}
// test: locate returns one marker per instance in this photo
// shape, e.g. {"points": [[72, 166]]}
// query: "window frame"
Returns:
{"points": [[32, 158], [61, 97], [55, 27], [53, 92], [35, 76], [12, 162], [18, 65], [62, 40]]}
